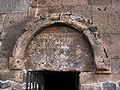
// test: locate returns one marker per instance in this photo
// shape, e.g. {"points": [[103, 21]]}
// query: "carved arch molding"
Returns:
{"points": [[101, 61]]}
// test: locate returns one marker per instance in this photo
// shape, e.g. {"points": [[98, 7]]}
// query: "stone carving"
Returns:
{"points": [[62, 49]]}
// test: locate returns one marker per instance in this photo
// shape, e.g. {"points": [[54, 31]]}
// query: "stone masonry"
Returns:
{"points": [[99, 20]]}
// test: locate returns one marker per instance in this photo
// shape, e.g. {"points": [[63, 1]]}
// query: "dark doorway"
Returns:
{"points": [[61, 81], [52, 80]]}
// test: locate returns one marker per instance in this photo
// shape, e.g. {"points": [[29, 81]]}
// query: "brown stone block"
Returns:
{"points": [[83, 10], [108, 77], [1, 21], [16, 75], [116, 2], [74, 2], [16, 17], [46, 3], [90, 87], [106, 17], [103, 77], [115, 65], [112, 43], [115, 77], [43, 3], [13, 27], [87, 78], [55, 9], [20, 5], [99, 2], [4, 74], [3, 63], [51, 3], [15, 63]]}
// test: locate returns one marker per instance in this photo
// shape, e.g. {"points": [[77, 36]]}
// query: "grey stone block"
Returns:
{"points": [[109, 86], [5, 6], [20, 5]]}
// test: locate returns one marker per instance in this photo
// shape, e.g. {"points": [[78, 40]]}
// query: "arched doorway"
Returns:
{"points": [[54, 38]]}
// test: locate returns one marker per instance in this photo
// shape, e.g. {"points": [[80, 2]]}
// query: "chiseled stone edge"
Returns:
{"points": [[80, 23]]}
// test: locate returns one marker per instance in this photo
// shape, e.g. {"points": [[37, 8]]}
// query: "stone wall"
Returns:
{"points": [[105, 14]]}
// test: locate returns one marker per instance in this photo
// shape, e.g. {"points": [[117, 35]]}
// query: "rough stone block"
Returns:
{"points": [[115, 65], [100, 2], [3, 63], [47, 3], [116, 2], [16, 63], [5, 6], [106, 17], [90, 87], [83, 10], [16, 75], [115, 77], [112, 43], [4, 74], [109, 86], [87, 78], [103, 77], [56, 9], [13, 27], [74, 2], [1, 21], [20, 5], [52, 3]]}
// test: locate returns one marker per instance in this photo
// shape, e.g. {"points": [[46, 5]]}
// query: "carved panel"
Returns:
{"points": [[59, 48]]}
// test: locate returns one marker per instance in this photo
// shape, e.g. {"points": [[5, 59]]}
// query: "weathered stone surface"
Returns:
{"points": [[84, 10], [115, 65], [16, 76], [3, 63], [5, 6], [13, 27], [116, 2], [1, 21], [20, 5], [90, 87], [5, 74], [100, 2], [106, 17], [18, 63], [87, 78], [74, 2], [52, 3], [111, 41], [109, 86], [50, 10]]}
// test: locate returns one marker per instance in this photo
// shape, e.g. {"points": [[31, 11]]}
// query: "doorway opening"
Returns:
{"points": [[52, 80]]}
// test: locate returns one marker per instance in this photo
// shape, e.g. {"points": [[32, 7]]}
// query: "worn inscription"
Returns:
{"points": [[57, 51]]}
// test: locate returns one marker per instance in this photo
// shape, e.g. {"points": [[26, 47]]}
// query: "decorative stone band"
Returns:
{"points": [[102, 62]]}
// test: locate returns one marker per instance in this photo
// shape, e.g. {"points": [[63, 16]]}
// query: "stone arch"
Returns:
{"points": [[78, 22]]}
